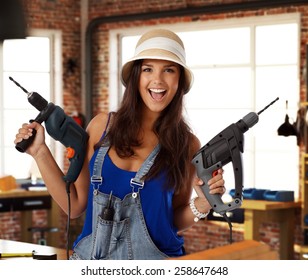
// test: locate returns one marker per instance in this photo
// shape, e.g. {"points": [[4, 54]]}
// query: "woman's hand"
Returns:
{"points": [[216, 185], [26, 131]]}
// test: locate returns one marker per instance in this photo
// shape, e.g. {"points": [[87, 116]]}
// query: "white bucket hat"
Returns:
{"points": [[159, 44]]}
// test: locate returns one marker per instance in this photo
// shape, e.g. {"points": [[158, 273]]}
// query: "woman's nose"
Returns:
{"points": [[157, 76]]}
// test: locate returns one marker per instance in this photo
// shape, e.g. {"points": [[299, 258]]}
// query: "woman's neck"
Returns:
{"points": [[148, 119]]}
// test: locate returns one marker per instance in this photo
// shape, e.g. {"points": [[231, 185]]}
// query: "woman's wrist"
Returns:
{"points": [[198, 214], [42, 153]]}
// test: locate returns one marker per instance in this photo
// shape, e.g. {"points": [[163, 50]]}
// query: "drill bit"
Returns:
{"points": [[267, 106], [17, 84]]}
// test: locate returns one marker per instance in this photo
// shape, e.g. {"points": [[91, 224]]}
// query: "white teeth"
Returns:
{"points": [[157, 90]]}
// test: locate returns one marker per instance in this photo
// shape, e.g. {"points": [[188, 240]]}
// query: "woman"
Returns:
{"points": [[137, 179]]}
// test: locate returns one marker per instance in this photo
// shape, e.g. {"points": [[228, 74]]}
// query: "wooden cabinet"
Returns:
{"points": [[304, 199], [26, 202]]}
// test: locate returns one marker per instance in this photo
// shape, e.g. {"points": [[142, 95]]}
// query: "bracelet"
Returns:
{"points": [[198, 215]]}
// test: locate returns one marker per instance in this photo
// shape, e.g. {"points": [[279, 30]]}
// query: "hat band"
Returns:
{"points": [[164, 44]]}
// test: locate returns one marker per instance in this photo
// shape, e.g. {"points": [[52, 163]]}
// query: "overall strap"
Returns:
{"points": [[137, 183], [96, 178], [109, 121]]}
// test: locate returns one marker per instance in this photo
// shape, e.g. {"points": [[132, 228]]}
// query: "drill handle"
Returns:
{"points": [[25, 143], [205, 175], [215, 200], [42, 116]]}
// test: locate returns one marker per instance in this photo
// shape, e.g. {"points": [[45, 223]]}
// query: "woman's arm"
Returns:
{"points": [[183, 215], [53, 175]]}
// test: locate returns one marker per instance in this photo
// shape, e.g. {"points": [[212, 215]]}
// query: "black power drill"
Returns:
{"points": [[61, 128], [227, 146]]}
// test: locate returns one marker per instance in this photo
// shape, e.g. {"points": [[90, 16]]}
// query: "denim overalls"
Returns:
{"points": [[126, 236]]}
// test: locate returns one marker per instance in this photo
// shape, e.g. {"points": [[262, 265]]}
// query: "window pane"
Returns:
{"points": [[14, 97], [128, 44], [221, 88], [279, 169], [13, 119], [33, 57], [17, 164], [277, 81], [277, 44], [220, 46]]}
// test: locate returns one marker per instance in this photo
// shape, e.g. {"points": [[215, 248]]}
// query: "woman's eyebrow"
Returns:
{"points": [[166, 65]]}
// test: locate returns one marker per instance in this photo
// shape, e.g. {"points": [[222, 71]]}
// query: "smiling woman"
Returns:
{"points": [[138, 162]]}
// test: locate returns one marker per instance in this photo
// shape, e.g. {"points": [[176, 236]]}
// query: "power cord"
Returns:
{"points": [[68, 224], [230, 226]]}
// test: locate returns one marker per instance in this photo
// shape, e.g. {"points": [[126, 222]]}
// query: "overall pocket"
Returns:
{"points": [[111, 240]]}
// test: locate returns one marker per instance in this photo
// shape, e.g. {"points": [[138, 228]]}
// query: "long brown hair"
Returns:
{"points": [[174, 135]]}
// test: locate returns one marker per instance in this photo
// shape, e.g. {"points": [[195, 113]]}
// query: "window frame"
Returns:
{"points": [[56, 96]]}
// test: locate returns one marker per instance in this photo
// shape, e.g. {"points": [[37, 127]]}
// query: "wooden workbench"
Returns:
{"points": [[258, 211], [8, 246], [243, 250], [27, 201]]}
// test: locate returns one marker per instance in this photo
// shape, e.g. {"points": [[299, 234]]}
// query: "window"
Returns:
{"points": [[34, 68], [241, 66]]}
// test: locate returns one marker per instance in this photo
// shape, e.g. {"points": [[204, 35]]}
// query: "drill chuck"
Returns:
{"points": [[251, 119], [247, 122], [37, 101]]}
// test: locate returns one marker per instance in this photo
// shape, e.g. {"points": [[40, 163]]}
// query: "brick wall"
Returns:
{"points": [[10, 226], [64, 15]]}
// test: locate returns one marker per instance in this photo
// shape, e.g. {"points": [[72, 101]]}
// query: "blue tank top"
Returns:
{"points": [[156, 204]]}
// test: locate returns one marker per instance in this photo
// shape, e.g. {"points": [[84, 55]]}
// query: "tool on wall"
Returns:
{"points": [[227, 146], [62, 128], [286, 129]]}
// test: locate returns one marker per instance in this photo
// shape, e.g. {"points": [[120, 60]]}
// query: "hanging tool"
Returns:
{"points": [[286, 129]]}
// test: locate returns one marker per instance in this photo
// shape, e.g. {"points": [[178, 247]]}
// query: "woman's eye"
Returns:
{"points": [[170, 70], [146, 69]]}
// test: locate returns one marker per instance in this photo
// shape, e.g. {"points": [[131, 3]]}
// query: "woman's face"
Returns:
{"points": [[158, 83]]}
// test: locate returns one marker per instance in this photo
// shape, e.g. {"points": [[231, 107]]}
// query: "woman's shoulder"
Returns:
{"points": [[97, 126], [100, 120], [195, 144]]}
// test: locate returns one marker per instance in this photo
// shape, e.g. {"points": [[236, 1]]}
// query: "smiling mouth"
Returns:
{"points": [[157, 94]]}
